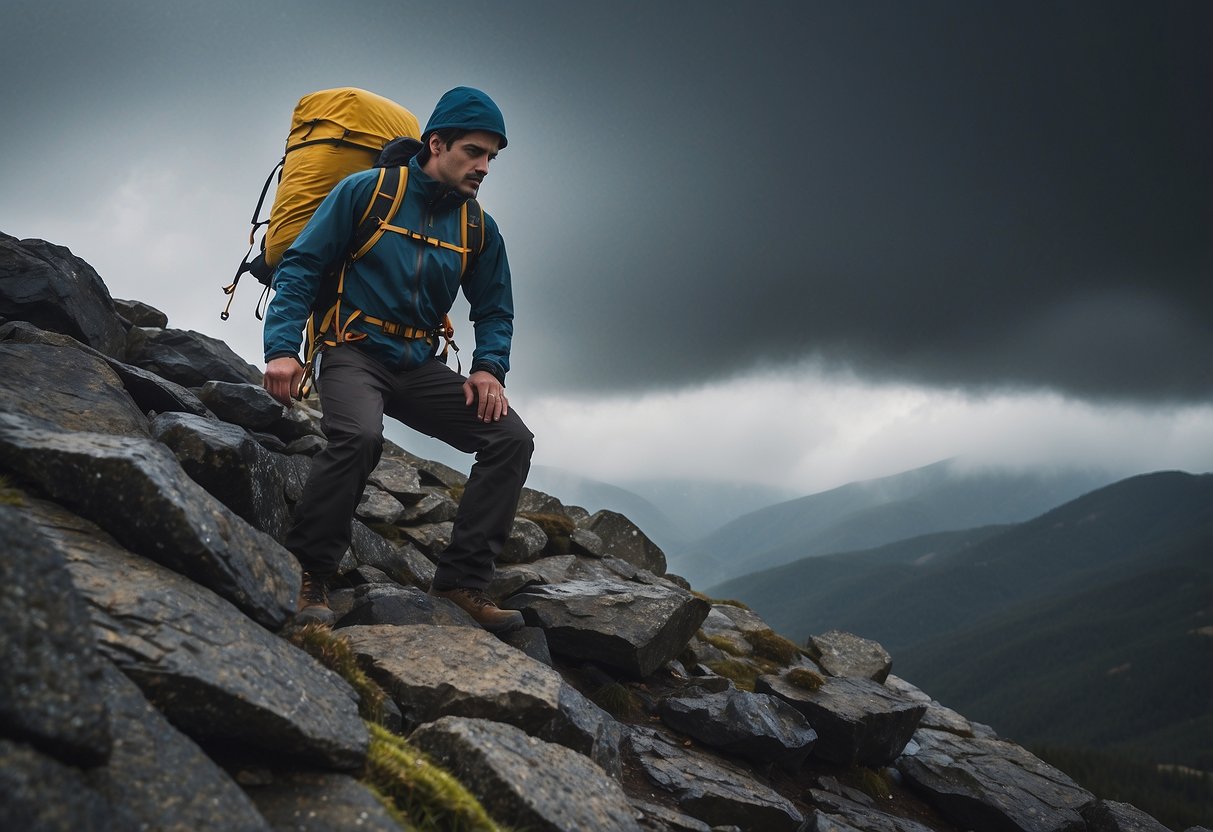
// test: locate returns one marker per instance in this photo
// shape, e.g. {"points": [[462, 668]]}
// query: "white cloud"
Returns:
{"points": [[814, 431]]}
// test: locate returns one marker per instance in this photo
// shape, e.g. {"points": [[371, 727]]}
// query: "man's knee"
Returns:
{"points": [[513, 439], [360, 440]]}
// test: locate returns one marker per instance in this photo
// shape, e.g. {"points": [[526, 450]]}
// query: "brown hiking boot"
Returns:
{"points": [[314, 602], [478, 605]]}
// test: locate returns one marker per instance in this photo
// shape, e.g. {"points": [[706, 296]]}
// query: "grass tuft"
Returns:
{"points": [[9, 495], [428, 797], [805, 679], [557, 527], [770, 645], [875, 784], [334, 652], [724, 644], [617, 700], [728, 602]]}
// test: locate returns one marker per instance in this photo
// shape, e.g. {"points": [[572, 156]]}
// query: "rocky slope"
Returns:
{"points": [[153, 679]]}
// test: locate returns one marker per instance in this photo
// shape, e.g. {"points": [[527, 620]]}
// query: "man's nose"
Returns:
{"points": [[482, 167]]}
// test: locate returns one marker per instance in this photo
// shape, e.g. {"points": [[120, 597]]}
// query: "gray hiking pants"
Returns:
{"points": [[356, 392]]}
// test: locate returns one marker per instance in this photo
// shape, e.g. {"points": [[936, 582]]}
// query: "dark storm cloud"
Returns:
{"points": [[960, 194], [980, 195]]}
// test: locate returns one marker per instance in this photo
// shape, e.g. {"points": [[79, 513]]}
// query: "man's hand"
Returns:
{"points": [[486, 391], [283, 375]]}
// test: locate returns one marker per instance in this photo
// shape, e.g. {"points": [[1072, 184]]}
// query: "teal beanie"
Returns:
{"points": [[466, 108]]}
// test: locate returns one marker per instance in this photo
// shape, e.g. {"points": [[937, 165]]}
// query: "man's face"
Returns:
{"points": [[465, 163]]}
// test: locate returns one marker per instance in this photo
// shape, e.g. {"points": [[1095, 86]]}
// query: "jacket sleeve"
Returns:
{"points": [[323, 242], [491, 298]]}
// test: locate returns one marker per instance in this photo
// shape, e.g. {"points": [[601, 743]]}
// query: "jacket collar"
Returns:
{"points": [[438, 196]]}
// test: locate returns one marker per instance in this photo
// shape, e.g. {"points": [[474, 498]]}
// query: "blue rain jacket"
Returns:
{"points": [[400, 279]]}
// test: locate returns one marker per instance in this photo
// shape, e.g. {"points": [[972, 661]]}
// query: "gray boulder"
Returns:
{"points": [[149, 391], [393, 604], [135, 489], [247, 405], [858, 721], [226, 461], [377, 506], [160, 776], [634, 628], [398, 478], [187, 357], [524, 782], [213, 672], [525, 543], [757, 727], [41, 793], [312, 801], [54, 289], [66, 389], [434, 507], [403, 564], [48, 690], [844, 654], [138, 313], [1112, 816], [623, 539], [433, 671], [980, 783], [708, 788]]}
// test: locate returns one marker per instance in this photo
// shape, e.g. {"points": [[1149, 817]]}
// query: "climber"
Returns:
{"points": [[385, 359]]}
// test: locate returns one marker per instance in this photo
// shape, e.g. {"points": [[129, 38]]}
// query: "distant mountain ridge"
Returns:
{"points": [[944, 496], [1107, 595]]}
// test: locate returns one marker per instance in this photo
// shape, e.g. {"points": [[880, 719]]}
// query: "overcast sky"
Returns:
{"points": [[795, 243]]}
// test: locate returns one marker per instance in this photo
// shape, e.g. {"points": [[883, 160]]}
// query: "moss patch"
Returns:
{"points": [[770, 645], [875, 784], [805, 679], [723, 644], [334, 652], [557, 527], [618, 701], [10, 496], [728, 602], [428, 797]]}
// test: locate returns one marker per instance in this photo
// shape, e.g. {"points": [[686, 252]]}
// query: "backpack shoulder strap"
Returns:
{"points": [[389, 191], [473, 234]]}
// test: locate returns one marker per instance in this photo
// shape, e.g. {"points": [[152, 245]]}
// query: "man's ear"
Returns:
{"points": [[436, 145]]}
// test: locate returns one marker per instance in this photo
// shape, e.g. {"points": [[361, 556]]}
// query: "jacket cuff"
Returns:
{"points": [[491, 368], [282, 354]]}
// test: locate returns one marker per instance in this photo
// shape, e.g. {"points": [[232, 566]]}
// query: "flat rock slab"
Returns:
{"points": [[631, 627], [213, 672], [62, 388], [160, 776], [135, 489], [48, 688], [320, 802], [981, 783], [711, 789], [524, 782], [431, 672], [755, 726], [835, 812], [858, 721]]}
